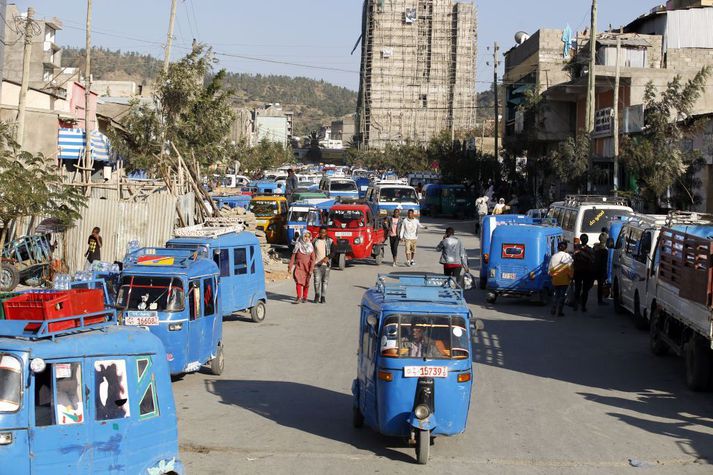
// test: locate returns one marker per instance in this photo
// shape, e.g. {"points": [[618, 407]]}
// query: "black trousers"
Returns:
{"points": [[601, 281], [394, 245], [582, 286]]}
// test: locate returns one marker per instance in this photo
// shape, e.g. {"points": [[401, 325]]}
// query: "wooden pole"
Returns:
{"points": [[88, 162], [169, 37], [496, 63], [24, 85], [615, 125], [591, 89]]}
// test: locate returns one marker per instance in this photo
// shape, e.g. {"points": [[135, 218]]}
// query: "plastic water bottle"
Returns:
{"points": [[132, 246]]}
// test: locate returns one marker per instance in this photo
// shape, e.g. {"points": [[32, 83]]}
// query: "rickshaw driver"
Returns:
{"points": [[421, 346]]}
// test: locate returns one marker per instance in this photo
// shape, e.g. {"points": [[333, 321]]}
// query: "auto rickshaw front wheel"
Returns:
{"points": [[217, 364], [379, 258], [423, 446], [9, 277], [258, 312], [342, 261]]}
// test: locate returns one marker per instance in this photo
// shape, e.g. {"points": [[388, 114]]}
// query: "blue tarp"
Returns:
{"points": [[71, 145]]}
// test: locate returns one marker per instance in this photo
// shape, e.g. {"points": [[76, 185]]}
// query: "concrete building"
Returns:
{"points": [[46, 56], [654, 48], [418, 70], [272, 123], [344, 129]]}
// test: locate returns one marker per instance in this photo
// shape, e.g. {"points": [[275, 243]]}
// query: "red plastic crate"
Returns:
{"points": [[54, 305]]}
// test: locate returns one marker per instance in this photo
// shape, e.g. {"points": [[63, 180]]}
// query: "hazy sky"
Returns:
{"points": [[320, 33]]}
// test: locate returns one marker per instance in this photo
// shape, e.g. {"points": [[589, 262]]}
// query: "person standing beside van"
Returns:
{"points": [[583, 272], [561, 272], [392, 226], [601, 264]]}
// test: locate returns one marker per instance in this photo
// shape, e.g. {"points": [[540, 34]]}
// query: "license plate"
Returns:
{"points": [[425, 372], [343, 234], [509, 275], [144, 319]]}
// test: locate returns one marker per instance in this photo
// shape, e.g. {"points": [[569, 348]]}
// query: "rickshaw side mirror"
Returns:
{"points": [[477, 325]]}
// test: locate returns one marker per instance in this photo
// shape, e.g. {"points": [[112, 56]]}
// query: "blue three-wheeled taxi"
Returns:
{"points": [[414, 370]]}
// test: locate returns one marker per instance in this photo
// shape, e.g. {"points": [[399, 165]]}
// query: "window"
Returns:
{"points": [[424, 100], [164, 294], [240, 258], [148, 405], [568, 217], [59, 399], [111, 393], [594, 219], [513, 251], [194, 303], [644, 247], [632, 242], [425, 336], [252, 259], [343, 186], [398, 195], [10, 383], [208, 297], [222, 259]]}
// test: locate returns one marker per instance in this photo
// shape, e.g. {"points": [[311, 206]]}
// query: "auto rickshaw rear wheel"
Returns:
{"points": [[258, 312], [217, 364], [357, 418], [9, 277], [423, 446], [342, 261]]}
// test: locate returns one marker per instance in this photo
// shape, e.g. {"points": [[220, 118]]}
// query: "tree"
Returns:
{"points": [[264, 156], [570, 163], [30, 186], [657, 157]]}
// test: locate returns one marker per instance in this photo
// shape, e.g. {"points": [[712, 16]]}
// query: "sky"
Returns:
{"points": [[286, 36]]}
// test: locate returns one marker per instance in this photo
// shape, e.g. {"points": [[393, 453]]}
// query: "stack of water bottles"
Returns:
{"points": [[62, 282]]}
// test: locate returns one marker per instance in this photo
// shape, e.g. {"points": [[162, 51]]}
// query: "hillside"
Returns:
{"points": [[314, 102]]}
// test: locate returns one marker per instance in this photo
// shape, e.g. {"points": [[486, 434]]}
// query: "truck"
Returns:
{"points": [[681, 309]]}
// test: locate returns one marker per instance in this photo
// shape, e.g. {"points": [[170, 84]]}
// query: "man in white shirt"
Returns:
{"points": [[409, 234], [481, 206]]}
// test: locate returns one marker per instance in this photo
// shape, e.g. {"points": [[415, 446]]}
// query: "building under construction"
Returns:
{"points": [[417, 70]]}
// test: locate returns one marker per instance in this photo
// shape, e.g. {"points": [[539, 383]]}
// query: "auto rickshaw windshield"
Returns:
{"points": [[298, 216], [10, 383], [163, 294], [349, 218], [424, 336], [263, 208]]}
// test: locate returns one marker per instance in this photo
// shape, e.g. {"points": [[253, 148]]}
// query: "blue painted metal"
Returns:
{"points": [[527, 275], [189, 342], [387, 406], [382, 208], [487, 227], [134, 440], [233, 201]]}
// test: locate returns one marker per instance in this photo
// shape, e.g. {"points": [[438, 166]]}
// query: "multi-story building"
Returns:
{"points": [[46, 55], [655, 47], [343, 129], [273, 124], [418, 70]]}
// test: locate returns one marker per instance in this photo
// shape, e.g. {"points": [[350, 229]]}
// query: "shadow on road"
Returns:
{"points": [[310, 409]]}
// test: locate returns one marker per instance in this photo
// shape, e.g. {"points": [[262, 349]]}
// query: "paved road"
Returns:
{"points": [[574, 395]]}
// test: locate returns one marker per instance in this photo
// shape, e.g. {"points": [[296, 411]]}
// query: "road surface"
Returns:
{"points": [[576, 395]]}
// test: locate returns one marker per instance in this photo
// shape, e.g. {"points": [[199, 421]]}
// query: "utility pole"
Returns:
{"points": [[24, 86], [88, 163], [615, 125], [169, 37], [591, 87], [496, 64]]}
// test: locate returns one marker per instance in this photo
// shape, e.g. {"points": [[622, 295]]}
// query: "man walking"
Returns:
{"points": [[561, 272], [291, 182], [392, 227], [453, 255], [409, 233], [481, 207], [323, 256], [583, 272], [601, 264]]}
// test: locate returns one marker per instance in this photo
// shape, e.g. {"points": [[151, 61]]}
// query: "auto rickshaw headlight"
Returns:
{"points": [[37, 365], [175, 327], [421, 411], [357, 240], [5, 438]]}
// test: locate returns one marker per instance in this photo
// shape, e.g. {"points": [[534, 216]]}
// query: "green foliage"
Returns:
{"points": [[570, 164], [656, 157], [403, 159], [30, 186], [263, 156]]}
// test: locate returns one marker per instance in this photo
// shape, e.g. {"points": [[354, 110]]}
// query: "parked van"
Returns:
{"points": [[632, 262], [339, 187], [383, 199], [587, 214]]}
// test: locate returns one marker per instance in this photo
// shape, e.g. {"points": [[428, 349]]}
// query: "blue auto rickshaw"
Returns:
{"points": [[173, 293], [487, 227], [233, 201], [519, 259], [241, 285], [81, 395], [303, 215], [362, 183], [414, 360]]}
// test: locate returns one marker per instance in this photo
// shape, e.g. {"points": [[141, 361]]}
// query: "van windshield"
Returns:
{"points": [[594, 219], [163, 294], [10, 383], [398, 195], [342, 186], [424, 336]]}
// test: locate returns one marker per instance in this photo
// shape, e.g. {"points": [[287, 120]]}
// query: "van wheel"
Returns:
{"points": [[379, 258], [9, 277], [342, 261], [423, 446], [699, 364], [258, 312], [357, 418], [618, 308], [491, 297], [656, 343], [217, 364], [640, 322]]}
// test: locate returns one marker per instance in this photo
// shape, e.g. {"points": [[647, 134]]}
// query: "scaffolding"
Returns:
{"points": [[418, 70]]}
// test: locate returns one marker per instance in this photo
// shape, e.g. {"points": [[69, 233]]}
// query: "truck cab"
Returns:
{"points": [[173, 293], [84, 399], [241, 284]]}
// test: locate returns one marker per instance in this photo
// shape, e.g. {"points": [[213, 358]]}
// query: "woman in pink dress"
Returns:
{"points": [[302, 261]]}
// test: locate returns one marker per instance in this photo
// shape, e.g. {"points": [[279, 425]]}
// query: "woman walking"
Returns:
{"points": [[392, 225], [302, 262]]}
